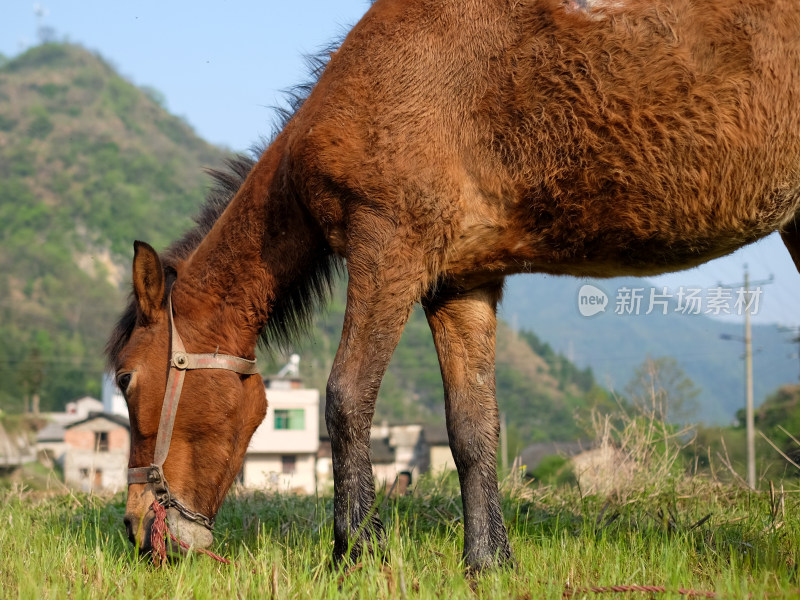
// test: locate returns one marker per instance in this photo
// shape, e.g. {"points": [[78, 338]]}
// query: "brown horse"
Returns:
{"points": [[447, 144]]}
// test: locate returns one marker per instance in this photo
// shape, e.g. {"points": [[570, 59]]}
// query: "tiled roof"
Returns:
{"points": [[119, 420]]}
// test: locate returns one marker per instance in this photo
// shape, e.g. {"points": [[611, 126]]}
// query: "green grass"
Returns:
{"points": [[59, 545]]}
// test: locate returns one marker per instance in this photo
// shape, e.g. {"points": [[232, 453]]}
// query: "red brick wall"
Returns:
{"points": [[85, 440], [82, 440], [118, 439]]}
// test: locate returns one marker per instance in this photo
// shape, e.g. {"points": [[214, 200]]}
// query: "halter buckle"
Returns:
{"points": [[180, 360], [155, 475]]}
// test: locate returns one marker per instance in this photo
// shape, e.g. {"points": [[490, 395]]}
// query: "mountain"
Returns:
{"points": [[613, 345], [88, 163]]}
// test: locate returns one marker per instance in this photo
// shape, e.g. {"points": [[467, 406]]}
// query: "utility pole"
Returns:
{"points": [[748, 368], [503, 444], [748, 376]]}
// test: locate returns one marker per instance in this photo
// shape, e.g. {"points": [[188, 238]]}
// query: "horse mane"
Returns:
{"points": [[293, 313]]}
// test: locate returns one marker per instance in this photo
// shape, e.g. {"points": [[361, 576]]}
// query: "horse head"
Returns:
{"points": [[192, 407]]}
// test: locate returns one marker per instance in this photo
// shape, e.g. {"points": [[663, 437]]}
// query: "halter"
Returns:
{"points": [[180, 362]]}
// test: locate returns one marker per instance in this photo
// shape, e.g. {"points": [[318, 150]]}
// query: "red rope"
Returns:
{"points": [[158, 537], [158, 532]]}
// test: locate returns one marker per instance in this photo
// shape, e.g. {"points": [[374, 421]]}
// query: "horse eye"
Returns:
{"points": [[123, 381]]}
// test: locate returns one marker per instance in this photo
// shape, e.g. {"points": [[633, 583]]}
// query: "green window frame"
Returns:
{"points": [[291, 419]]}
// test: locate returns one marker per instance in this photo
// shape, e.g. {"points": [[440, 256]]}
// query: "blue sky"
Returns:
{"points": [[221, 65]]}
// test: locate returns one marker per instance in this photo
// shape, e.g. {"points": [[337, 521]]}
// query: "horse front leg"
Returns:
{"points": [[378, 306], [464, 326]]}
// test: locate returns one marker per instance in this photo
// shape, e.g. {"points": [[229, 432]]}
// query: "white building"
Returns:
{"points": [[396, 449], [402, 452], [113, 400], [282, 453]]}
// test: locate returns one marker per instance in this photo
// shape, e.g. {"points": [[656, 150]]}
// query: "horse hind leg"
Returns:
{"points": [[464, 327], [790, 235]]}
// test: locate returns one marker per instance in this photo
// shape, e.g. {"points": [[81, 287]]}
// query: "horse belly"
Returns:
{"points": [[600, 245]]}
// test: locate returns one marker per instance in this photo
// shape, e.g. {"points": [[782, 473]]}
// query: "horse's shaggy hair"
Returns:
{"points": [[293, 313]]}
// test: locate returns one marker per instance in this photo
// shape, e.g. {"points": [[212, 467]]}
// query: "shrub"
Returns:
{"points": [[555, 470], [7, 123], [46, 55], [41, 126]]}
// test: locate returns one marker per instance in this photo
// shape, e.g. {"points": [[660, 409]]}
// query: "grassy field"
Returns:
{"points": [[645, 522], [700, 535]]}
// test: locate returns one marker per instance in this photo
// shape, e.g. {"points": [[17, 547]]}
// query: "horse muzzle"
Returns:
{"points": [[186, 532], [181, 533]]}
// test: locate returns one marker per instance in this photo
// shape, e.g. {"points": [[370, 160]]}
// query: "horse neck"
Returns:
{"points": [[261, 245]]}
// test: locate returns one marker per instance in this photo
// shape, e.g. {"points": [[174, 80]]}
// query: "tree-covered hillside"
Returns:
{"points": [[88, 163]]}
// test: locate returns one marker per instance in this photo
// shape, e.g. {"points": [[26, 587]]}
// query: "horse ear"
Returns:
{"points": [[148, 280]]}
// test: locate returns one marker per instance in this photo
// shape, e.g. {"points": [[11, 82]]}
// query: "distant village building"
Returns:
{"points": [[81, 408], [113, 400], [14, 450], [440, 457], [385, 468], [282, 455], [408, 450], [50, 445], [290, 450], [96, 455]]}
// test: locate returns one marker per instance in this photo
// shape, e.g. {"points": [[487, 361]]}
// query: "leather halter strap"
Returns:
{"points": [[180, 362]]}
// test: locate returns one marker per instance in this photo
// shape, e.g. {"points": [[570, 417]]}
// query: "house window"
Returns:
{"points": [[288, 463], [84, 473], [290, 418], [101, 441]]}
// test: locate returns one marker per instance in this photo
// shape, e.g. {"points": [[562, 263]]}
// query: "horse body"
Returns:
{"points": [[652, 139], [445, 146]]}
